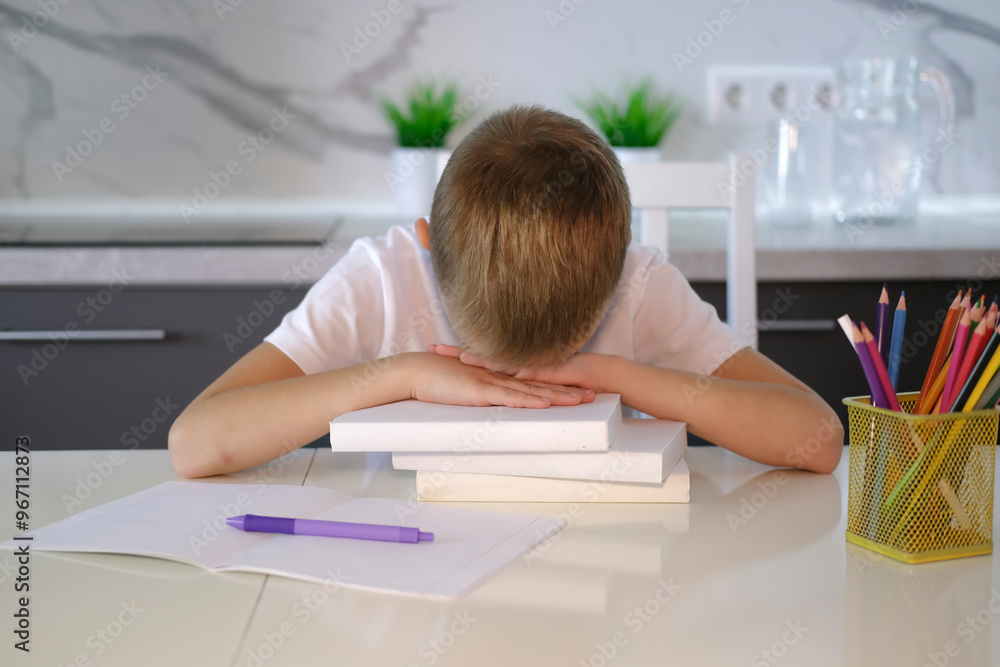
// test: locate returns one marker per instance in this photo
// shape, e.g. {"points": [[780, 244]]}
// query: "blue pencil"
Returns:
{"points": [[896, 344]]}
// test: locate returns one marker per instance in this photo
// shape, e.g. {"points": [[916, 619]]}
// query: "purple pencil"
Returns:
{"points": [[879, 399], [882, 324], [857, 339]]}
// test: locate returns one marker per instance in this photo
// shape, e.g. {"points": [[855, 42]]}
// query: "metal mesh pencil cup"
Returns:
{"points": [[920, 487]]}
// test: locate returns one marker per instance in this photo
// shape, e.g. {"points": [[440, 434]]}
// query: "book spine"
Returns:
{"points": [[462, 487]]}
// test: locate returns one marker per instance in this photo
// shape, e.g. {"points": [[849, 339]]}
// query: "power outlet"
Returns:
{"points": [[751, 95]]}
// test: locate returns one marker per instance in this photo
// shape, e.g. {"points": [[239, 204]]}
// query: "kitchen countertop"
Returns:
{"points": [[954, 238]]}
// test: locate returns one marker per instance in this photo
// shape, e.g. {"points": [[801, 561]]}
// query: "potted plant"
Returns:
{"points": [[636, 125], [422, 124]]}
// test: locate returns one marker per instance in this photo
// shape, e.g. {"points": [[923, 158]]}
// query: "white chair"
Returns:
{"points": [[657, 187]]}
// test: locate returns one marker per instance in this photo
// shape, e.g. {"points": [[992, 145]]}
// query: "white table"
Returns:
{"points": [[643, 584]]}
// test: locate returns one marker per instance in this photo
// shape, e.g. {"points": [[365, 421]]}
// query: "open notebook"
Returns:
{"points": [[185, 521]]}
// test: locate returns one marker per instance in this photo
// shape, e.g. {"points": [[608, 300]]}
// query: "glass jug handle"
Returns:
{"points": [[936, 78]]}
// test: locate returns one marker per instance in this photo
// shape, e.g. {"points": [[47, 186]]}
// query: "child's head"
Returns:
{"points": [[528, 233]]}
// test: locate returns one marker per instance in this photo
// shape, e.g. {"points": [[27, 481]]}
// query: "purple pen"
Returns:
{"points": [[357, 531]]}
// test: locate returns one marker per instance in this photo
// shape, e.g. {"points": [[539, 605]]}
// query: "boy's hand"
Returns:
{"points": [[587, 371], [443, 378]]}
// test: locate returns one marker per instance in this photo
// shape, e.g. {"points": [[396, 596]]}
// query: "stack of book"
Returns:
{"points": [[582, 453]]}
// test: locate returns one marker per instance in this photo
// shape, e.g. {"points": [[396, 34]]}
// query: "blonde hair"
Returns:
{"points": [[528, 233]]}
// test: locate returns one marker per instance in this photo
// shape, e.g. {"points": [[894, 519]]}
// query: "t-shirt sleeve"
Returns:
{"points": [[340, 321], [674, 328]]}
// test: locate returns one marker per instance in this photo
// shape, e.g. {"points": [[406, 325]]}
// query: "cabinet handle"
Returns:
{"points": [[93, 334], [797, 325]]}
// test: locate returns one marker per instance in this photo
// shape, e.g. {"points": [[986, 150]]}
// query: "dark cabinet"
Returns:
{"points": [[150, 352], [166, 345]]}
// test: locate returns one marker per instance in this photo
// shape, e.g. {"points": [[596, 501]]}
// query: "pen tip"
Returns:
{"points": [[425, 537], [236, 521]]}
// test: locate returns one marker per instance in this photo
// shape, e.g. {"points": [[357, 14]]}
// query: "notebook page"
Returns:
{"points": [[469, 546], [183, 521]]}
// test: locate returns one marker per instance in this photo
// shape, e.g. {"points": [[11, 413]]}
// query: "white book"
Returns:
{"points": [[416, 426], [186, 521], [645, 451], [470, 487]]}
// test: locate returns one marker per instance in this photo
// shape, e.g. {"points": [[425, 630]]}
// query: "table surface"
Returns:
{"points": [[954, 237], [755, 570]]}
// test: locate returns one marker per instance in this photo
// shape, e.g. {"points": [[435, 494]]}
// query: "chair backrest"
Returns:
{"points": [[657, 187]]}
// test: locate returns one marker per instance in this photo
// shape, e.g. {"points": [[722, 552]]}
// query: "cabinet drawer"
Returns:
{"points": [[155, 350]]}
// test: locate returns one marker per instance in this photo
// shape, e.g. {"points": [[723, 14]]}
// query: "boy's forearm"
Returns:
{"points": [[247, 426], [771, 423]]}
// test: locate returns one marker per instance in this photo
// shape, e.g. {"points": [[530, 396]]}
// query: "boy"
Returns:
{"points": [[522, 291]]}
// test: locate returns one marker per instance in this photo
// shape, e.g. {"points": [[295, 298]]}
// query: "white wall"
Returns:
{"points": [[226, 72]]}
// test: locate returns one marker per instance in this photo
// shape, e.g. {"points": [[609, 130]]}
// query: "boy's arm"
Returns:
{"points": [[265, 406], [749, 405]]}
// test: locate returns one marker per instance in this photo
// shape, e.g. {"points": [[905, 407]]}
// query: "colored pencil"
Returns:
{"points": [[983, 355], [957, 354], [984, 372], [878, 399], [991, 395], [896, 344], [857, 341], [977, 313], [847, 325], [977, 342], [882, 324], [937, 406], [943, 347], [994, 313], [934, 392], [883, 375]]}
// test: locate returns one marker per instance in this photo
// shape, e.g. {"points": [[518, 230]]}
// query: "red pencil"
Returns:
{"points": [[957, 356], [977, 342]]}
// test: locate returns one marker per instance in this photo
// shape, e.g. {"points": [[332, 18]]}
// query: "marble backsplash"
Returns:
{"points": [[237, 99]]}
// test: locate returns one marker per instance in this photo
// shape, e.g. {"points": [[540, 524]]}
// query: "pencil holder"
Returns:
{"points": [[920, 487]]}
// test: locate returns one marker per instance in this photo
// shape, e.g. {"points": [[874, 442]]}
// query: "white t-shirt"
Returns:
{"points": [[381, 299]]}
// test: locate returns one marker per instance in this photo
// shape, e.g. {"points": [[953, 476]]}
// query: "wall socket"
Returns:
{"points": [[751, 95]]}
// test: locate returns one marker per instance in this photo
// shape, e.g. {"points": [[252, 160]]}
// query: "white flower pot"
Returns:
{"points": [[629, 154], [412, 177]]}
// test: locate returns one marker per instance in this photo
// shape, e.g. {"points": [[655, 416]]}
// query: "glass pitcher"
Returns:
{"points": [[878, 158]]}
